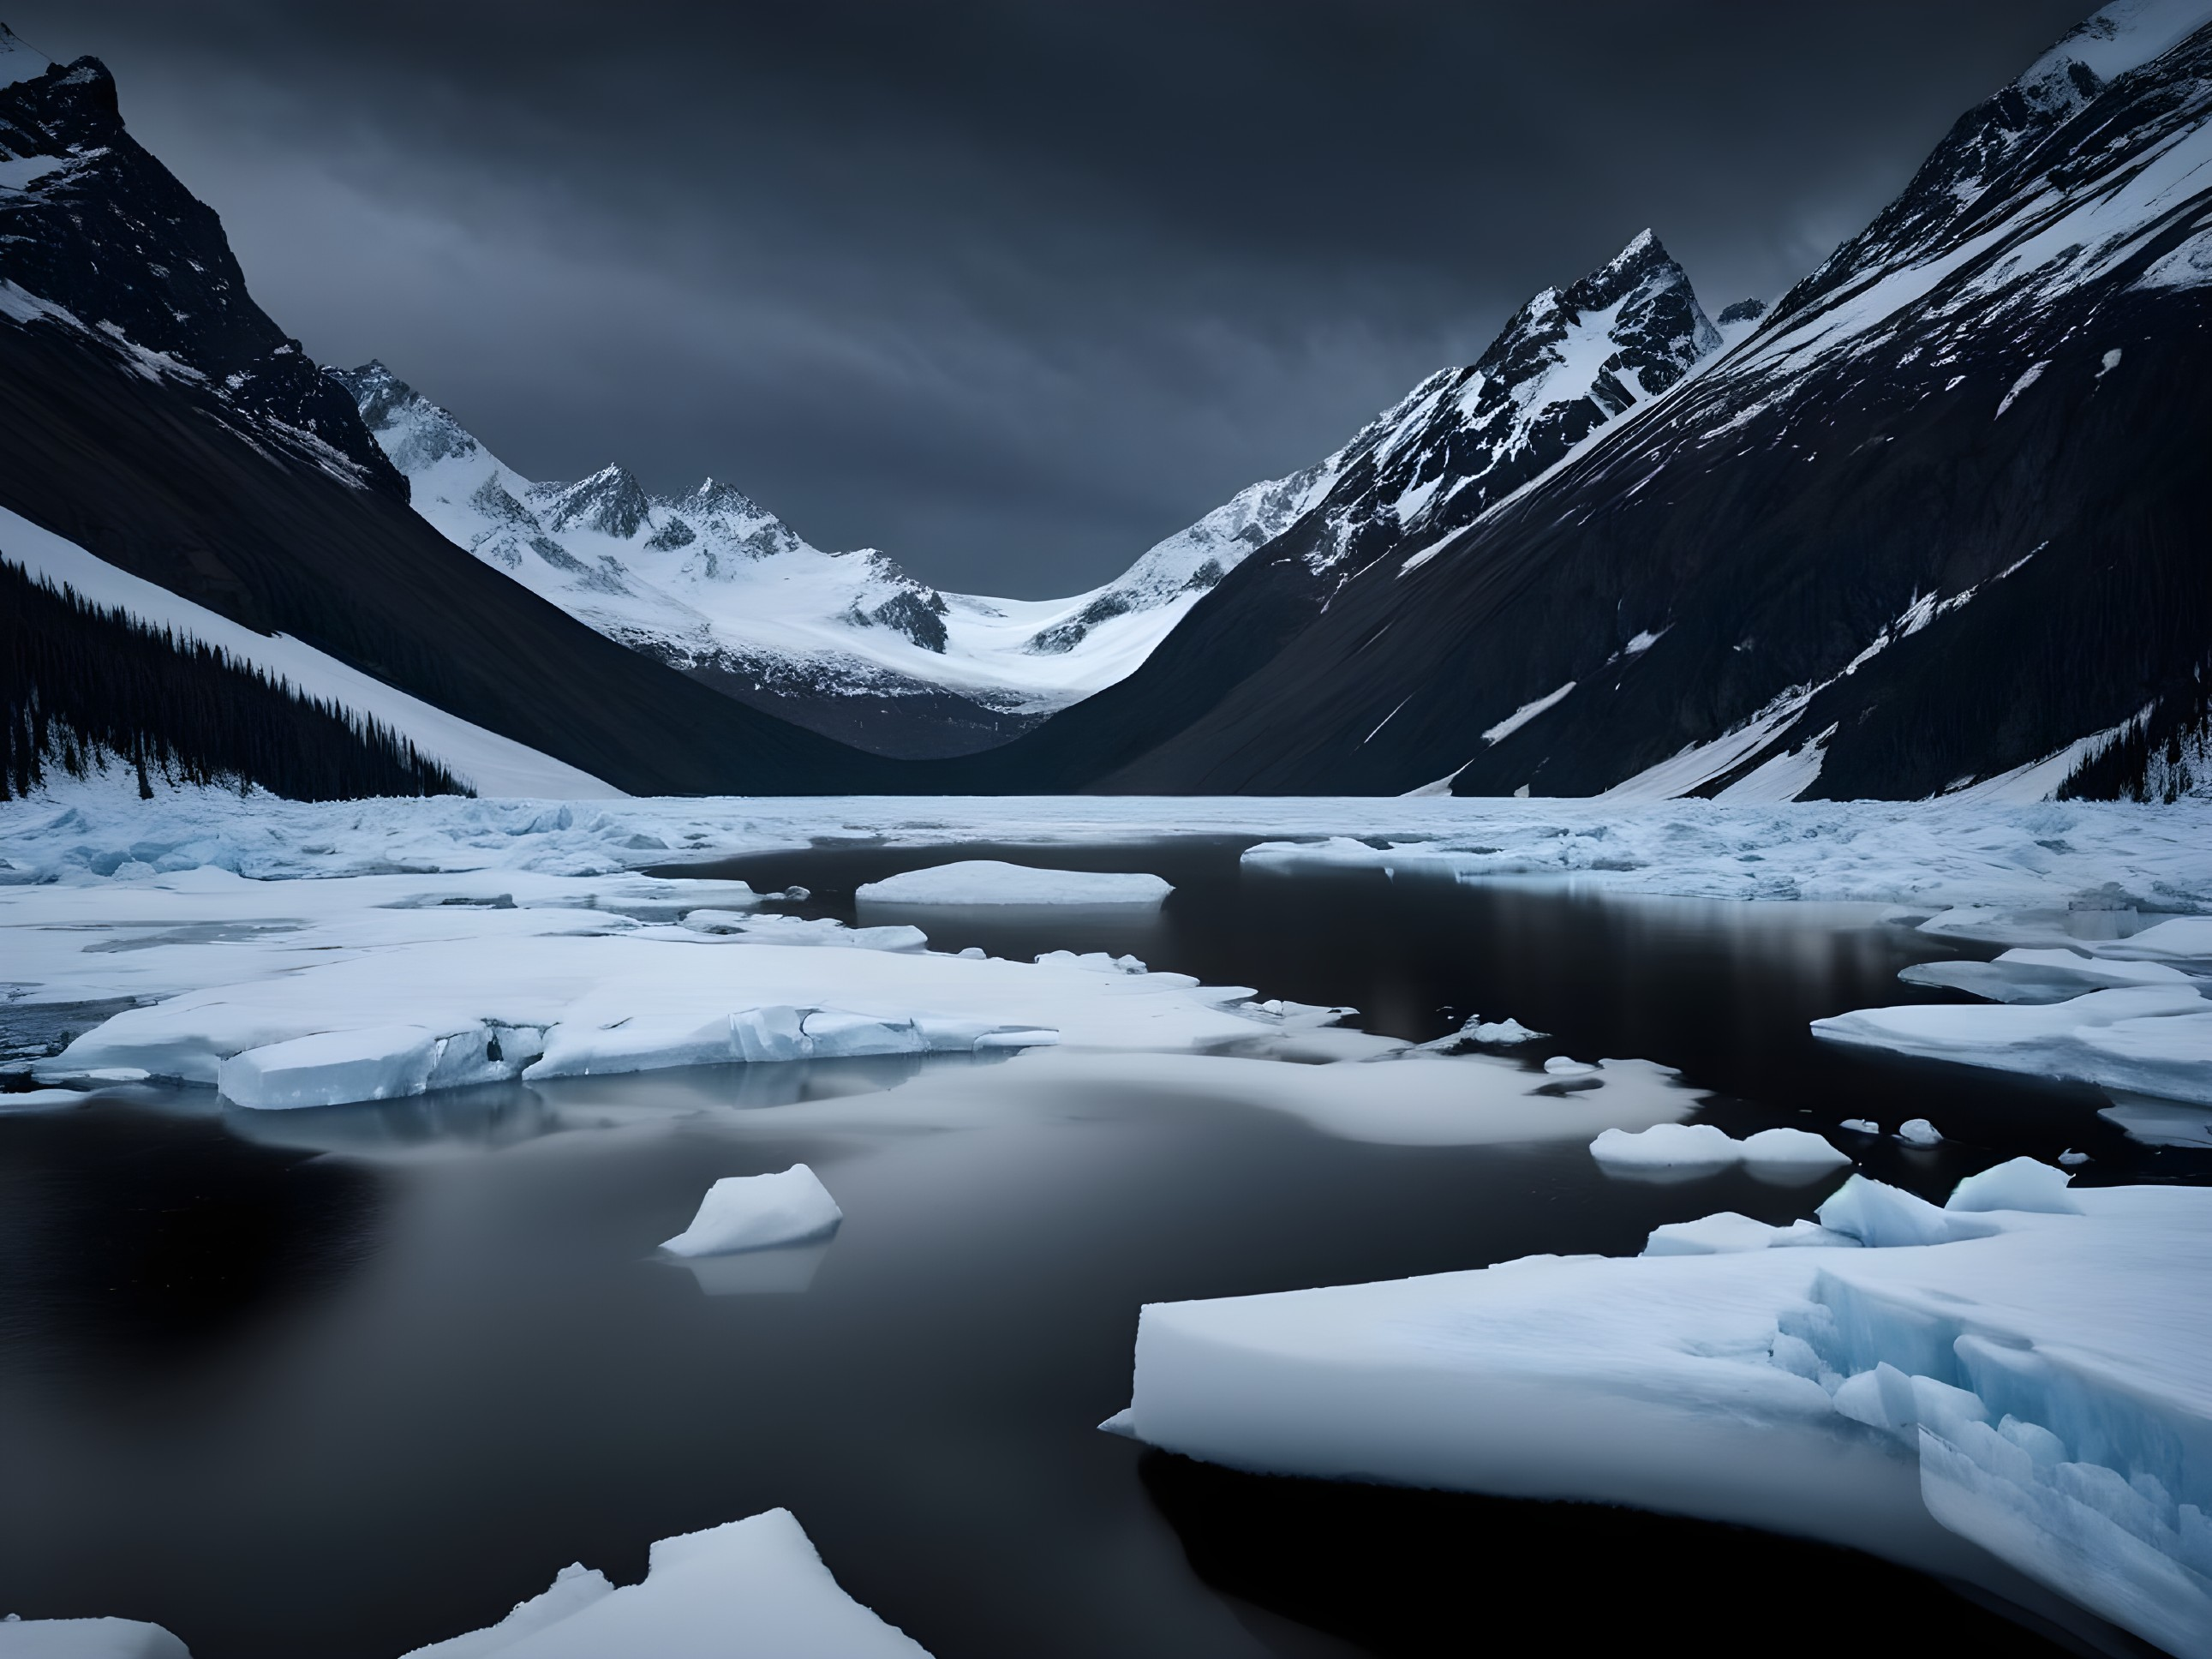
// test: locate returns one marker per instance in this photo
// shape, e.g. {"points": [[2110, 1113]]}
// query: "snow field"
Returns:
{"points": [[2025, 1370]]}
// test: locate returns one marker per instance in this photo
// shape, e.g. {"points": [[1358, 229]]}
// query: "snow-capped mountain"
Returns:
{"points": [[1567, 365], [153, 415], [1934, 523], [95, 233], [713, 584]]}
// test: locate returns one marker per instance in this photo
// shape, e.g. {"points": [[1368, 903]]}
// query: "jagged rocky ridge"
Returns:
{"points": [[153, 414], [1936, 523], [1568, 363], [712, 583]]}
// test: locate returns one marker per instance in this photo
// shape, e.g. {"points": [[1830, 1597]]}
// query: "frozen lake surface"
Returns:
{"points": [[344, 1380]]}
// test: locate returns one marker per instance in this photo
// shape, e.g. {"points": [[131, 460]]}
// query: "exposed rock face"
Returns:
{"points": [[1934, 521]]}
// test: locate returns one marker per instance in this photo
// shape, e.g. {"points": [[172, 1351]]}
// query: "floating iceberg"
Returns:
{"points": [[2035, 1385], [988, 881], [376, 988], [1919, 1132], [2155, 1040], [86, 1638], [759, 1213], [2127, 1013], [1704, 1146], [2032, 976], [750, 1589]]}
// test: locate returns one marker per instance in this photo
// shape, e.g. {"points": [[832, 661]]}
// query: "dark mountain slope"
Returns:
{"points": [[198, 458], [1570, 362], [1944, 516]]}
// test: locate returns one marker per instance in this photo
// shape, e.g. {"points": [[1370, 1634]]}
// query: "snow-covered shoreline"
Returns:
{"points": [[2083, 856]]}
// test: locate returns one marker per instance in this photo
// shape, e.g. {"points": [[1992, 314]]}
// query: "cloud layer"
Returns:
{"points": [[1010, 290]]}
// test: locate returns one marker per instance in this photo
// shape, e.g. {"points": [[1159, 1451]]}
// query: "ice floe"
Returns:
{"points": [[2030, 975], [1998, 1391], [1705, 1145], [1919, 1132], [990, 881], [374, 987], [759, 1212], [749, 1589], [87, 1639], [2125, 1011], [2154, 1039]]}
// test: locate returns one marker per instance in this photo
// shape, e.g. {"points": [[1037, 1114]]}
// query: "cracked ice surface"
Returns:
{"points": [[2038, 1382], [1928, 855]]}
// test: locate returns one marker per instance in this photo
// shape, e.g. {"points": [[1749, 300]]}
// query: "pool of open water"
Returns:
{"points": [[342, 1381]]}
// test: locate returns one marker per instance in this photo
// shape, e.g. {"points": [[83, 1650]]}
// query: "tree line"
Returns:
{"points": [[83, 687]]}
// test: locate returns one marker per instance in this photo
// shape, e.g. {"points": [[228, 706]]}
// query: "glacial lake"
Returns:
{"points": [[344, 1381]]}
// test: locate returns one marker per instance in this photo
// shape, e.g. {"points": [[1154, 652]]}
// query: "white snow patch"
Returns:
{"points": [[1521, 716], [2028, 378]]}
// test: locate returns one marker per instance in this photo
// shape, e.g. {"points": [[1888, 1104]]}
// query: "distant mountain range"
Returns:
{"points": [[849, 644], [1934, 523]]}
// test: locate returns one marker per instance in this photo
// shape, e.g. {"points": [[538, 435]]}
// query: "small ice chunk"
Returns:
{"points": [[382, 1063], [1861, 1126], [756, 1212], [1677, 1145], [975, 953], [1561, 1066], [2070, 1157], [1725, 1234], [1665, 1145], [718, 922], [1730, 1234], [574, 1587], [1882, 1217], [990, 881], [1919, 1132], [87, 1639], [752, 1590], [2020, 1184], [1791, 1146], [1503, 1033]]}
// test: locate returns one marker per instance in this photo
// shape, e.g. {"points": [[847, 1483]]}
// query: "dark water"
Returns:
{"points": [[341, 1383]]}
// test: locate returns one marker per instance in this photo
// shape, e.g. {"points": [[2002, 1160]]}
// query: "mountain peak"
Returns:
{"points": [[19, 62], [610, 501], [2123, 36]]}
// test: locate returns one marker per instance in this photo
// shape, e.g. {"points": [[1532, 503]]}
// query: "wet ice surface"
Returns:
{"points": [[282, 1400]]}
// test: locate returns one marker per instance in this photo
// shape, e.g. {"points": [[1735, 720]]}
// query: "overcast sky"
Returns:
{"points": [[1008, 290]]}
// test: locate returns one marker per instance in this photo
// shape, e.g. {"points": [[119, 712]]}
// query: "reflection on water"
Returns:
{"points": [[782, 1272], [496, 1114], [450, 1361]]}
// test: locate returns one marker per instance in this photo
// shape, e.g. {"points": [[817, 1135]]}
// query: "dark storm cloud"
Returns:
{"points": [[1009, 290]]}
